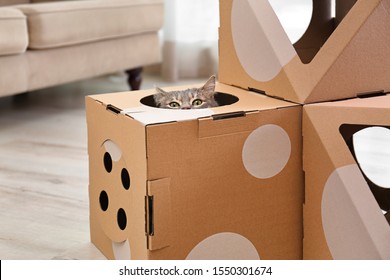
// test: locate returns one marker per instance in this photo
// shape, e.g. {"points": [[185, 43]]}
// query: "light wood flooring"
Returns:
{"points": [[44, 170]]}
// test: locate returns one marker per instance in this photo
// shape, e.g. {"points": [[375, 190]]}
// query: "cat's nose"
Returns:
{"points": [[186, 108]]}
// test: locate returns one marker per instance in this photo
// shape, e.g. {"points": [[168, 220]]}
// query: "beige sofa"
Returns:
{"points": [[51, 43]]}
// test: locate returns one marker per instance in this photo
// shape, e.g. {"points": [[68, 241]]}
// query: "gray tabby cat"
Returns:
{"points": [[192, 98]]}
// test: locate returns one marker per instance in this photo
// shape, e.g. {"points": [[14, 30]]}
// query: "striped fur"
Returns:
{"points": [[192, 98]]}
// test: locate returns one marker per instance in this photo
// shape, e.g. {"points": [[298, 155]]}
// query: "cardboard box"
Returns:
{"points": [[343, 216], [218, 183], [348, 60]]}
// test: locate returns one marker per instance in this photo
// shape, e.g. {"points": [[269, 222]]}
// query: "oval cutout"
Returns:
{"points": [[125, 178], [372, 149], [222, 99], [104, 201], [295, 16], [107, 161]]}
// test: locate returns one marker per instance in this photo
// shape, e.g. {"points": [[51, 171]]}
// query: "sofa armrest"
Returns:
{"points": [[13, 2], [43, 1], [13, 31]]}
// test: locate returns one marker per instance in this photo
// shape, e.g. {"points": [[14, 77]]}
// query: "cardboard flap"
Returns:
{"points": [[158, 214], [149, 115]]}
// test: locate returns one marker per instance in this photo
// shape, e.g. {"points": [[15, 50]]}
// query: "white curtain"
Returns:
{"points": [[190, 39]]}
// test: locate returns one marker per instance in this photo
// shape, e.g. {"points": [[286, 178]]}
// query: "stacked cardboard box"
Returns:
{"points": [[345, 58], [227, 182], [216, 183], [343, 217]]}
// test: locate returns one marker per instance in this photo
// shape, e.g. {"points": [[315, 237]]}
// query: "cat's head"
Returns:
{"points": [[192, 98]]}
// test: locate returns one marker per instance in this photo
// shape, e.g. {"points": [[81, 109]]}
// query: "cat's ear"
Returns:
{"points": [[209, 86], [160, 91]]}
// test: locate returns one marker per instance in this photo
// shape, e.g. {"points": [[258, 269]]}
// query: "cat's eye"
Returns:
{"points": [[174, 105], [197, 102]]}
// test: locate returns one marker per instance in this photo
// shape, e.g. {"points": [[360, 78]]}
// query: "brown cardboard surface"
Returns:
{"points": [[256, 53], [342, 218], [197, 181]]}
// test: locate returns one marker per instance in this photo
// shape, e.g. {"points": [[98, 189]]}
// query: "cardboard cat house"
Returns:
{"points": [[217, 183], [335, 59], [344, 211]]}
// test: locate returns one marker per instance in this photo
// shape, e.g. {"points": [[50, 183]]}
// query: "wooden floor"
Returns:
{"points": [[44, 170]]}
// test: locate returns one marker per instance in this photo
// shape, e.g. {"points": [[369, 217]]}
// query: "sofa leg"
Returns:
{"points": [[21, 97], [134, 78]]}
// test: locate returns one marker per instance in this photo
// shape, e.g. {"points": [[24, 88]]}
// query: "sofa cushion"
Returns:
{"points": [[13, 31], [13, 2], [61, 65], [74, 22]]}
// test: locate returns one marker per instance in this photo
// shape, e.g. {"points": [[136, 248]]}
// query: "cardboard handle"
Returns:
{"points": [[158, 214]]}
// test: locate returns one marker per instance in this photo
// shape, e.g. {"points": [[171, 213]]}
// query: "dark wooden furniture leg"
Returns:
{"points": [[134, 78], [21, 98]]}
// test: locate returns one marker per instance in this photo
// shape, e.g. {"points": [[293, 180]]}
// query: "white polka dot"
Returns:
{"points": [[266, 151], [224, 246], [113, 149], [354, 226], [261, 44], [121, 250]]}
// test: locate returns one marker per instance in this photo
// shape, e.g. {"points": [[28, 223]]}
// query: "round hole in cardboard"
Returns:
{"points": [[368, 145], [223, 99], [125, 178], [372, 150], [122, 219], [107, 162], [387, 216], [295, 16], [103, 201]]}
